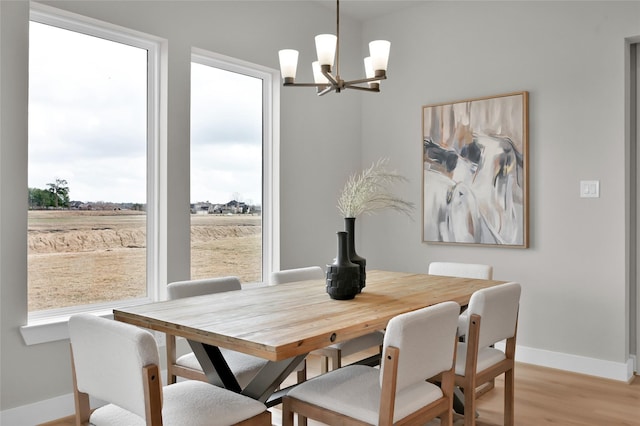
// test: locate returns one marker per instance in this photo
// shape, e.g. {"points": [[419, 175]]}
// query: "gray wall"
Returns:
{"points": [[569, 56]]}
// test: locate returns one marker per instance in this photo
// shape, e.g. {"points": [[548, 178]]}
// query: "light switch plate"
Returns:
{"points": [[589, 189]]}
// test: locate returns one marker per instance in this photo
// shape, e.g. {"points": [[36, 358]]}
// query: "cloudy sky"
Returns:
{"points": [[87, 112], [226, 136]]}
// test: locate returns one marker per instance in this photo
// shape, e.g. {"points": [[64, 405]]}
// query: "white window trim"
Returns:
{"points": [[51, 325], [271, 148]]}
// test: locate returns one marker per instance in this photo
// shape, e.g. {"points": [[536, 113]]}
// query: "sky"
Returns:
{"points": [[226, 136], [87, 122]]}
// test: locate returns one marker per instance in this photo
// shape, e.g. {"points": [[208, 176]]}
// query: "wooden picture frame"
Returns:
{"points": [[475, 171]]}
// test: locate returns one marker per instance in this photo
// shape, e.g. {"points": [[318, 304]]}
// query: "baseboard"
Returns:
{"points": [[38, 412], [621, 371]]}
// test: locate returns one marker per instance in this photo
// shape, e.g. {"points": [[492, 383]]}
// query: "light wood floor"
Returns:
{"points": [[544, 396]]}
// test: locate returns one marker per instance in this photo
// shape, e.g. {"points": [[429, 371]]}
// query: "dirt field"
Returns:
{"points": [[80, 257]]}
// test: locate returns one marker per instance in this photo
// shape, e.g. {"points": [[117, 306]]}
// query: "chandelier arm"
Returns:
{"points": [[305, 84], [365, 89], [326, 90], [363, 80], [326, 71]]}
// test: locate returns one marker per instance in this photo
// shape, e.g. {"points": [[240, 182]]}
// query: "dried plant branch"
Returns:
{"points": [[367, 192]]}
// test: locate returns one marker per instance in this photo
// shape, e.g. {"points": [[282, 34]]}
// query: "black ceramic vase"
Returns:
{"points": [[343, 276], [350, 227]]}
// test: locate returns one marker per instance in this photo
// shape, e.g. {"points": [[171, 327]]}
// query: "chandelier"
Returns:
{"points": [[328, 50]]}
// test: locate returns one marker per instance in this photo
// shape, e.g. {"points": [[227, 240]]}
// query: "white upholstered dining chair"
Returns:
{"points": [[337, 351], [493, 317], [118, 363], [296, 274], [462, 270], [243, 366], [465, 270], [418, 345]]}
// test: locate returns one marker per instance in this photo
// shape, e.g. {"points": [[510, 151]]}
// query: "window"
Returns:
{"points": [[230, 132], [92, 139]]}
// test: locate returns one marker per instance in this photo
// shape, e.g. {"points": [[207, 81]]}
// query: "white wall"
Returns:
{"points": [[320, 145], [570, 57]]}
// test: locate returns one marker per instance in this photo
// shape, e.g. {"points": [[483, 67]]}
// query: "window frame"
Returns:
{"points": [[69, 21], [270, 148], [53, 325]]}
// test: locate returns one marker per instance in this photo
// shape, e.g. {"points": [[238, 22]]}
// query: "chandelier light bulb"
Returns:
{"points": [[288, 63], [379, 50], [326, 48], [318, 77], [369, 72], [368, 67]]}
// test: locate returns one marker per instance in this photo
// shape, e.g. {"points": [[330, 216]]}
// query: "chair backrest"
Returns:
{"points": [[426, 339], [464, 270], [298, 274], [498, 310], [108, 359], [190, 288]]}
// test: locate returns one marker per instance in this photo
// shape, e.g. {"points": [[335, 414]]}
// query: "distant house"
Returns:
{"points": [[201, 208], [232, 207], [236, 207]]}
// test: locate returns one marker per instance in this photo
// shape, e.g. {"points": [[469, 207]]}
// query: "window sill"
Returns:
{"points": [[51, 329], [55, 328]]}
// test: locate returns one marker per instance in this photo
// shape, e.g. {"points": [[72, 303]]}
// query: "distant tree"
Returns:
{"points": [[40, 198], [60, 192]]}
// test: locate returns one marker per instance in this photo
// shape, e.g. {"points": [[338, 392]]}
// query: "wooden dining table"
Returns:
{"points": [[283, 323]]}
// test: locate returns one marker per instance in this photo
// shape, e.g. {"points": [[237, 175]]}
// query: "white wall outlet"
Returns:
{"points": [[589, 189]]}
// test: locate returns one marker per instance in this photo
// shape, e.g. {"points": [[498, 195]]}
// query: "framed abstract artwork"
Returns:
{"points": [[475, 171]]}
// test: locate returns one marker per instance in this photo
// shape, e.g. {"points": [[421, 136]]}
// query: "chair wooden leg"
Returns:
{"points": [[301, 375], [83, 411], [171, 358], [509, 398], [324, 364], [152, 395], [482, 389], [336, 360], [447, 385], [287, 414], [446, 419], [80, 399], [469, 406]]}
